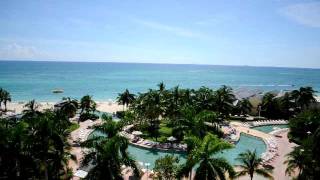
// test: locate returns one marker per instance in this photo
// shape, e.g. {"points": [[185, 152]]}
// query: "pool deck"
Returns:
{"points": [[243, 129], [83, 131]]}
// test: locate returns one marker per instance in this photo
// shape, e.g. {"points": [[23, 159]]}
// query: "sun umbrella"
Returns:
{"points": [[81, 174], [137, 133], [171, 138]]}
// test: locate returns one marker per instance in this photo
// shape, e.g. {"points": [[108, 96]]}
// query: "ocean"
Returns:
{"points": [[27, 80]]}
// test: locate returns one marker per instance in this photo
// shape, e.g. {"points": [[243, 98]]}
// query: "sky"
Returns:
{"points": [[226, 32]]}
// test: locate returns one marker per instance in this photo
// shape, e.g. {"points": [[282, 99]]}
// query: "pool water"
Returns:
{"points": [[100, 113], [270, 128], [150, 156]]}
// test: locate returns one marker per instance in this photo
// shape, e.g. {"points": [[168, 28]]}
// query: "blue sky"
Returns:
{"points": [[229, 32]]}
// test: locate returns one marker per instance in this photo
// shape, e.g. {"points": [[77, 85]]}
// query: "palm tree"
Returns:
{"points": [[204, 99], [187, 96], [250, 164], [125, 98], [209, 116], [210, 166], [296, 161], [286, 105], [69, 107], [87, 104], [35, 149], [269, 105], [50, 145], [108, 153], [31, 109], [244, 106], [166, 167], [161, 86], [152, 111], [6, 97], [316, 144], [224, 99], [1, 96], [192, 123], [304, 96]]}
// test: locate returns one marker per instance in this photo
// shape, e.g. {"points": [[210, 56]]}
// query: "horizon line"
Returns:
{"points": [[97, 61]]}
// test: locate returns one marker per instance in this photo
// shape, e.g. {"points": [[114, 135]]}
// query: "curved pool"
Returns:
{"points": [[270, 128], [150, 155]]}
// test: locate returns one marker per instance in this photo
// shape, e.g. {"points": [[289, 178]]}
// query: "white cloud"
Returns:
{"points": [[172, 29], [17, 51], [304, 13]]}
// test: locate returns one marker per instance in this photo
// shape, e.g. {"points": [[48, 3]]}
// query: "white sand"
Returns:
{"points": [[110, 107], [18, 107]]}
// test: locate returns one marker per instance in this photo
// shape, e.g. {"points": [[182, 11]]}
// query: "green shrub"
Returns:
{"points": [[86, 116]]}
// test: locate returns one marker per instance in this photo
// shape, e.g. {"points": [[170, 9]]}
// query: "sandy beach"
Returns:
{"points": [[103, 106]]}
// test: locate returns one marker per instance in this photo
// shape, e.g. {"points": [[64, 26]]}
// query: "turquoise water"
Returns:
{"points": [[269, 128], [28, 80], [150, 156]]}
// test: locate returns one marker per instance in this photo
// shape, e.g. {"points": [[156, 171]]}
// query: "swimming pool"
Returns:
{"points": [[270, 128], [150, 155]]}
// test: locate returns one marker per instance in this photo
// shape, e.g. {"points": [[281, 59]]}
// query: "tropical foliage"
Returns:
{"points": [[303, 125], [36, 146], [244, 106], [305, 159], [183, 110], [204, 153], [87, 108], [5, 97], [287, 105], [251, 163], [108, 153], [166, 168], [125, 98], [69, 107], [303, 97]]}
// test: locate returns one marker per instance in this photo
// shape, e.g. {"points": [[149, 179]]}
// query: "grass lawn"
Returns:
{"points": [[73, 126], [164, 133]]}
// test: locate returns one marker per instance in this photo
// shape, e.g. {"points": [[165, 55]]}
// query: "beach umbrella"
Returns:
{"points": [[81, 174], [137, 133], [140, 163], [171, 138], [233, 137]]}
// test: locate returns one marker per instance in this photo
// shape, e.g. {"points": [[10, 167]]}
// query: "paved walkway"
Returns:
{"points": [[81, 135], [251, 132], [283, 145]]}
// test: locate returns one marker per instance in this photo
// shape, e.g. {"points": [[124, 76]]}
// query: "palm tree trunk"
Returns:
{"points": [[299, 174], [5, 106], [46, 177]]}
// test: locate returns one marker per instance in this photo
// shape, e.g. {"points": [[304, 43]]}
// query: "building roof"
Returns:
{"points": [[243, 93]]}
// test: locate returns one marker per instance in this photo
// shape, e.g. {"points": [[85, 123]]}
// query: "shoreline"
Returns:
{"points": [[102, 106]]}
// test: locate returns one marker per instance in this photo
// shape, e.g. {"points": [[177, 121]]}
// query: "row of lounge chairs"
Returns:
{"points": [[150, 144], [264, 122], [272, 150]]}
